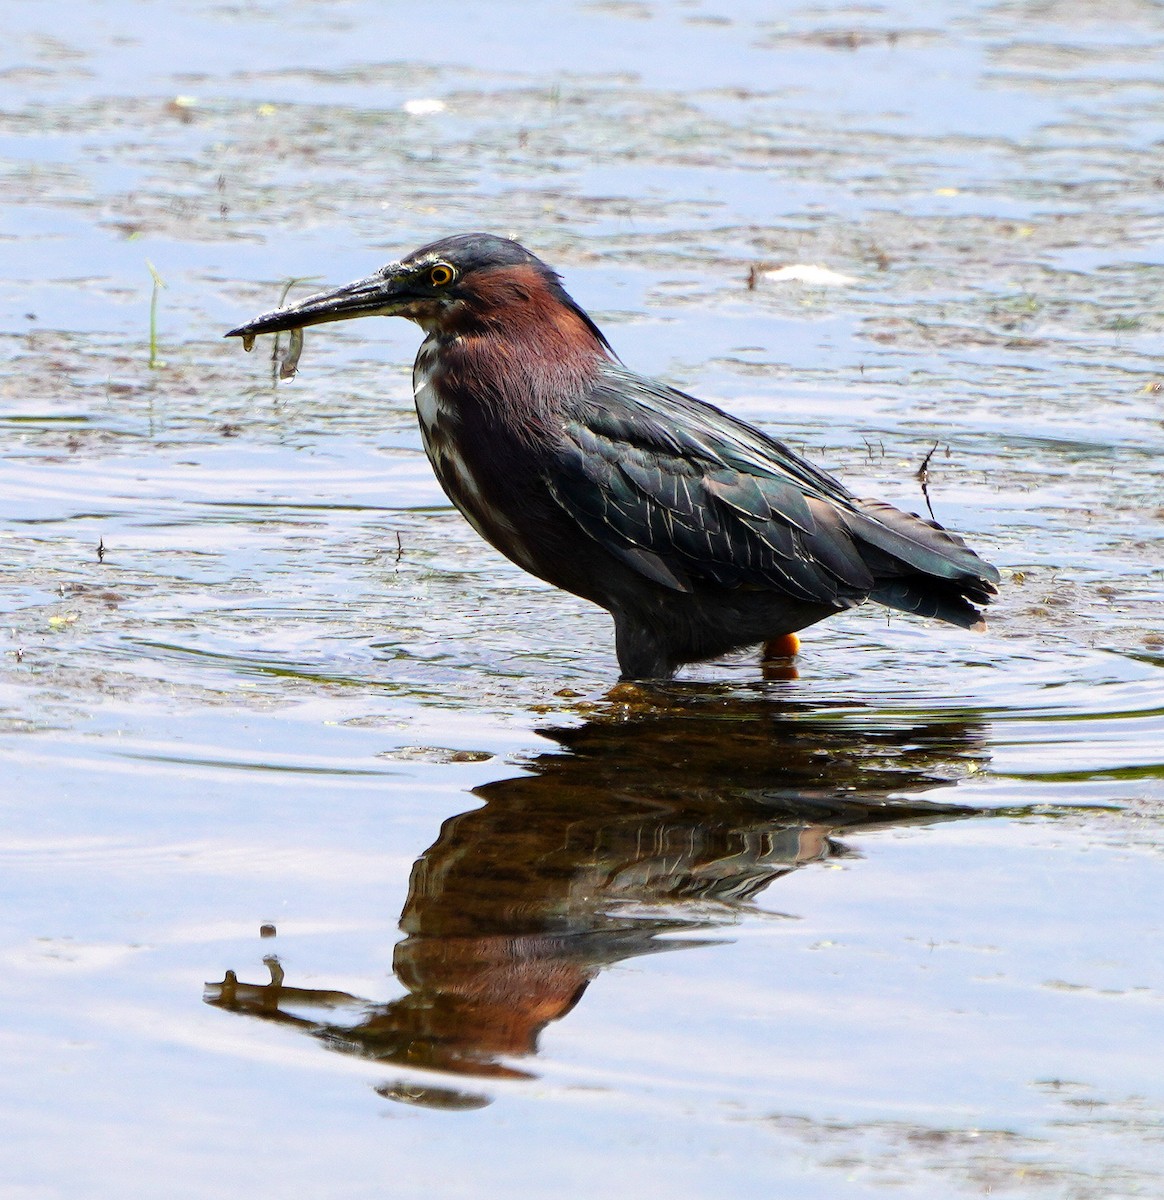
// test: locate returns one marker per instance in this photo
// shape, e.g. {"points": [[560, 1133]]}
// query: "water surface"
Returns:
{"points": [[330, 859]]}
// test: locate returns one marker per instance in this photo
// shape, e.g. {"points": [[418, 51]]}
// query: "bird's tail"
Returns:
{"points": [[919, 567]]}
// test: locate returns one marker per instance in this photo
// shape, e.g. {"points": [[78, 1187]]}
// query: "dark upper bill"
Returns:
{"points": [[379, 294]]}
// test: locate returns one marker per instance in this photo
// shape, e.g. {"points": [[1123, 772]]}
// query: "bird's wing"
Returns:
{"points": [[682, 491]]}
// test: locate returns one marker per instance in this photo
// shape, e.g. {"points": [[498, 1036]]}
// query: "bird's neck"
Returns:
{"points": [[510, 377]]}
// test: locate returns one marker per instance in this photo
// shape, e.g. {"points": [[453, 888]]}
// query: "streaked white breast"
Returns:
{"points": [[438, 433], [429, 409]]}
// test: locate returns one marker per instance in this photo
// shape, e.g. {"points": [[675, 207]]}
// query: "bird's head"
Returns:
{"points": [[472, 282]]}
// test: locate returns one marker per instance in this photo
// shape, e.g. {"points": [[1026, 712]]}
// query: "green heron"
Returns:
{"points": [[698, 533]]}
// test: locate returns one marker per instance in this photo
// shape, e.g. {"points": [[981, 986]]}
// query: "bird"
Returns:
{"points": [[697, 532]]}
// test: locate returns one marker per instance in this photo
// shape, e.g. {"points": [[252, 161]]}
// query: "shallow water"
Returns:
{"points": [[890, 925]]}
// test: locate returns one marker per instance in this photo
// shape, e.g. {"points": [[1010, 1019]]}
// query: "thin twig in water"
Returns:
{"points": [[923, 477], [100, 549], [399, 548]]}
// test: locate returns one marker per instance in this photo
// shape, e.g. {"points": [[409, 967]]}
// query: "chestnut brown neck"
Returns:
{"points": [[513, 348]]}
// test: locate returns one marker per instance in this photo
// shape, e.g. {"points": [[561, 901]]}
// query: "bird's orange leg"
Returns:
{"points": [[777, 657], [787, 645]]}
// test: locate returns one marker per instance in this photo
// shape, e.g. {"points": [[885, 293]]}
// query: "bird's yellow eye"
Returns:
{"points": [[441, 274]]}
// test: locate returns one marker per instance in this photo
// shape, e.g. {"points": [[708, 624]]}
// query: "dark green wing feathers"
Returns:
{"points": [[685, 494]]}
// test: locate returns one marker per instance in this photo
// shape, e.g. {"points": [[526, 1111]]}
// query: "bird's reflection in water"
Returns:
{"points": [[666, 819]]}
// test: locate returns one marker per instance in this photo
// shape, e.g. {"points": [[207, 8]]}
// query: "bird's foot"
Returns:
{"points": [[777, 655], [787, 645]]}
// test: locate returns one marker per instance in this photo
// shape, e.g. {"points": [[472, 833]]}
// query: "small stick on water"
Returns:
{"points": [[159, 283], [100, 549], [399, 548], [923, 477]]}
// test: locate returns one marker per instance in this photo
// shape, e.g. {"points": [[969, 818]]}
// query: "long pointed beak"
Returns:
{"points": [[379, 294]]}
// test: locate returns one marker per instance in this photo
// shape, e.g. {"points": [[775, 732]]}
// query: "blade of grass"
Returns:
{"points": [[159, 283]]}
